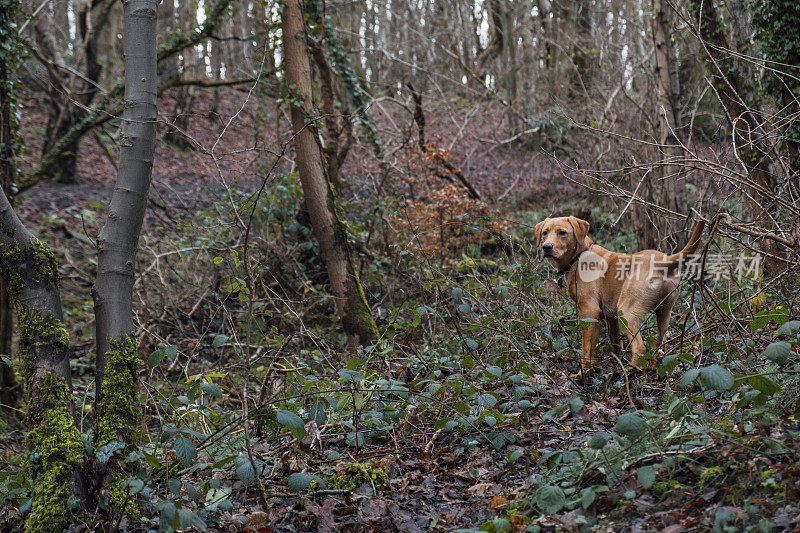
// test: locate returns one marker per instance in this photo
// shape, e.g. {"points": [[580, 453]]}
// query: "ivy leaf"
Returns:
{"points": [[185, 451], [156, 357], [212, 389], [189, 519], [348, 374], [289, 419], [550, 499], [318, 413], [630, 425], [220, 340], [299, 481], [171, 352], [778, 352], [646, 476], [174, 485], [487, 400], [108, 450], [599, 440], [244, 470], [717, 377], [764, 385], [789, 328], [688, 377]]}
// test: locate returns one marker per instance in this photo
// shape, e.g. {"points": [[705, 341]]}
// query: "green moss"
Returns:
{"points": [[358, 474], [709, 474], [119, 417], [359, 319], [10, 257], [55, 452], [34, 330], [119, 413], [45, 266], [119, 497]]}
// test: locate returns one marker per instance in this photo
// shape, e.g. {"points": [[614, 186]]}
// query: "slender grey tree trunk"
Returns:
{"points": [[118, 361]]}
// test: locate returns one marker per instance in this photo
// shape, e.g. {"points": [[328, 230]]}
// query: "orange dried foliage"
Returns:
{"points": [[439, 216]]}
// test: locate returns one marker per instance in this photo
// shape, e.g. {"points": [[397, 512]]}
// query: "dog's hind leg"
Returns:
{"points": [[614, 335], [663, 314], [633, 325]]}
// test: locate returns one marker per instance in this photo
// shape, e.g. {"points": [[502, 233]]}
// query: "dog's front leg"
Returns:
{"points": [[590, 318]]}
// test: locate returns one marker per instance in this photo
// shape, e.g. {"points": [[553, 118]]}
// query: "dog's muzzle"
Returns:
{"points": [[547, 249]]}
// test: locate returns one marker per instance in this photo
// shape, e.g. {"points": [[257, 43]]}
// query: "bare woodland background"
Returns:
{"points": [[441, 132]]}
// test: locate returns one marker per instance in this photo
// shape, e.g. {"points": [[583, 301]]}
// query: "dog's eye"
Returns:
{"points": [[544, 233], [561, 233]]}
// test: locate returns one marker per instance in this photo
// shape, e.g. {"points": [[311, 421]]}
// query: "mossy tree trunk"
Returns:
{"points": [[8, 382], [30, 279], [320, 198], [54, 444], [118, 363]]}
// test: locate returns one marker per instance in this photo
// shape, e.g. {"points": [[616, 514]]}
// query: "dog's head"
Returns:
{"points": [[561, 238]]}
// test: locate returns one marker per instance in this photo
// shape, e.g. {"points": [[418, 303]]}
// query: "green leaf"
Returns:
{"points": [[465, 308], [318, 413], [174, 485], [599, 440], [156, 357], [646, 476], [575, 405], [211, 389], [185, 451], [348, 374], [630, 425], [550, 499], [496, 371], [220, 340], [244, 470], [486, 400], [189, 519], [498, 525], [289, 419], [688, 377], [717, 377], [457, 294], [514, 456], [555, 412], [587, 497], [299, 481], [778, 352], [764, 385], [789, 328], [472, 344], [171, 352]]}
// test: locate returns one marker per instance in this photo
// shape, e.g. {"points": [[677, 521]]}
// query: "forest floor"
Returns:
{"points": [[463, 417]]}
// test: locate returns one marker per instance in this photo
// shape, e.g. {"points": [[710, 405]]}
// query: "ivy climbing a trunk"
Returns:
{"points": [[320, 198], [118, 362]]}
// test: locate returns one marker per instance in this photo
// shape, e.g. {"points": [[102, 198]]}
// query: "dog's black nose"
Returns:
{"points": [[547, 248]]}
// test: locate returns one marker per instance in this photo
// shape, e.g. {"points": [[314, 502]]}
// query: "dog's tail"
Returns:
{"points": [[691, 246]]}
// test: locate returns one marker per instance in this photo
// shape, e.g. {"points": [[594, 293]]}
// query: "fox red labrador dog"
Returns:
{"points": [[606, 285]]}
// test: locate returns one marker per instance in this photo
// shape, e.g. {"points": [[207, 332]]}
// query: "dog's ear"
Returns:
{"points": [[537, 230], [581, 228]]}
